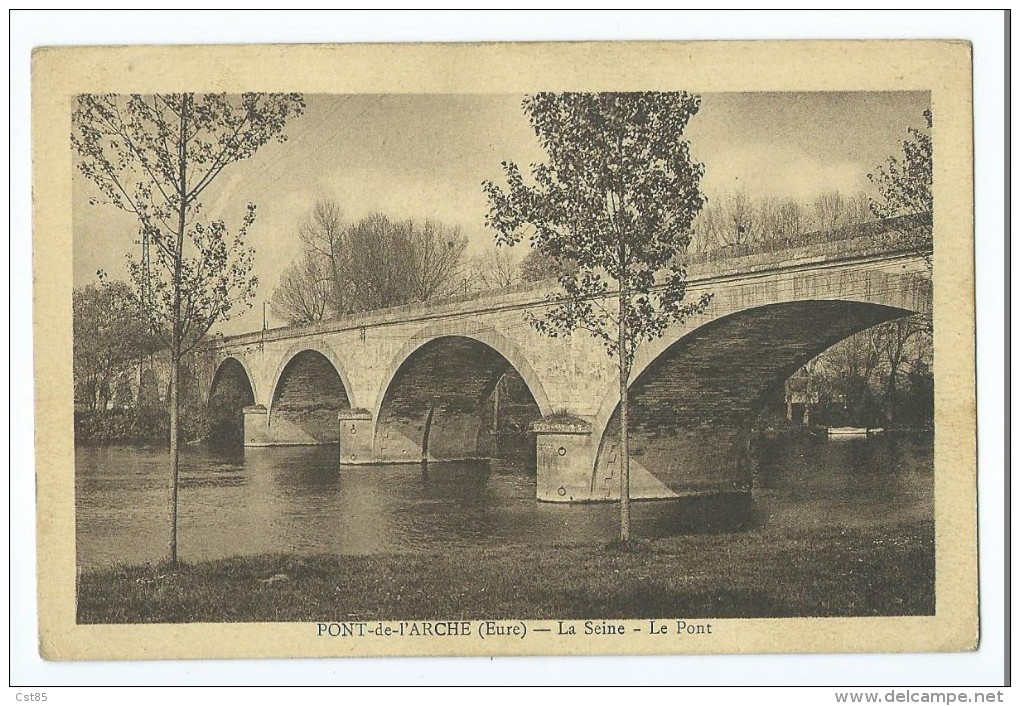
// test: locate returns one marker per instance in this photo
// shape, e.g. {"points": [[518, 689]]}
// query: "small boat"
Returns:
{"points": [[848, 431]]}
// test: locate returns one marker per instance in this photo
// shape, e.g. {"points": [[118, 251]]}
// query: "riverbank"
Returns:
{"points": [[881, 570], [138, 427]]}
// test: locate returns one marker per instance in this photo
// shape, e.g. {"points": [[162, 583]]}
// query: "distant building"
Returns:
{"points": [[800, 397]]}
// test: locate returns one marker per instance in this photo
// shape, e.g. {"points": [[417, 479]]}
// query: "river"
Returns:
{"points": [[299, 500]]}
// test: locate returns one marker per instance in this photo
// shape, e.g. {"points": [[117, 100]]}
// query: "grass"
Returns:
{"points": [[837, 572]]}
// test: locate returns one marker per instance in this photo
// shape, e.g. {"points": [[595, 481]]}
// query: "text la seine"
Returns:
{"points": [[655, 627]]}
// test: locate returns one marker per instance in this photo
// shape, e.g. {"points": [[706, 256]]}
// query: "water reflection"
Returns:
{"points": [[300, 500]]}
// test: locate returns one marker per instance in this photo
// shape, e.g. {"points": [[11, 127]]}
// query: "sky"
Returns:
{"points": [[425, 156]]}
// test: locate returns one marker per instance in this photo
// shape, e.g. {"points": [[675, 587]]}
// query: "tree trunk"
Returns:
{"points": [[175, 379], [624, 416], [178, 334], [890, 397]]}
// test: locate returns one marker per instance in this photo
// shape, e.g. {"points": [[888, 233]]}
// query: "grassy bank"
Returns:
{"points": [[838, 572]]}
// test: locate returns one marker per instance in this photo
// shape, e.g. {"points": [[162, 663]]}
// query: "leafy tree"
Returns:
{"points": [[154, 156], [616, 199], [904, 186], [109, 335]]}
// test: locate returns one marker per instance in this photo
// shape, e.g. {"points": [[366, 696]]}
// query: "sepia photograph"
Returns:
{"points": [[535, 366]]}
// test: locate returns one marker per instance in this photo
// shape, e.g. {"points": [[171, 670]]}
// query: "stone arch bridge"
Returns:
{"points": [[413, 382]]}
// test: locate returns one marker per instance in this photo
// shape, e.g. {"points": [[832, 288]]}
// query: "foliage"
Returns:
{"points": [[537, 266], [154, 156], [373, 263], [877, 377], [109, 334], [136, 426], [616, 200], [904, 185]]}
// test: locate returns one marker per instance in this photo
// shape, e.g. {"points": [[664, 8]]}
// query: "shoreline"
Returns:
{"points": [[835, 572]]}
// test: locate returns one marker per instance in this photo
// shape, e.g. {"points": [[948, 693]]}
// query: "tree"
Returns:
{"points": [[304, 294], [616, 199], [437, 253], [904, 187], [893, 340], [109, 335], [374, 263], [154, 156], [498, 269], [537, 266], [317, 277], [742, 218], [847, 369], [830, 210]]}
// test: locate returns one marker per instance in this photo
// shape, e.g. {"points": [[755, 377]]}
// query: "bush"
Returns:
{"points": [[137, 426]]}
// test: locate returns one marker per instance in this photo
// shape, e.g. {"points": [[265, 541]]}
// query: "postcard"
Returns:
{"points": [[504, 349]]}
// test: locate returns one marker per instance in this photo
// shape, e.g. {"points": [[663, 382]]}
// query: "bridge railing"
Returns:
{"points": [[866, 239], [887, 231]]}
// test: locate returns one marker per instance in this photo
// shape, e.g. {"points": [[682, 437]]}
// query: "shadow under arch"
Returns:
{"points": [[435, 397], [692, 405], [232, 390], [309, 390]]}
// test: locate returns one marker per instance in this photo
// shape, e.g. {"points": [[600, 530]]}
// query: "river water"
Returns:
{"points": [[299, 500]]}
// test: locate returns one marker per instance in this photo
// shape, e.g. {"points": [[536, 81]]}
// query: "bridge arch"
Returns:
{"points": [[692, 401], [435, 394], [309, 389], [232, 389]]}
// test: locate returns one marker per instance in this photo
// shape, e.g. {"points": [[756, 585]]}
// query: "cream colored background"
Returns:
{"points": [[941, 67]]}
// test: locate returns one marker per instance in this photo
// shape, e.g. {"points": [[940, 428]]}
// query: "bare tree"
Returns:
{"points": [[830, 210], [497, 269], [858, 211], [710, 228], [374, 263], [770, 220], [741, 218], [437, 253], [894, 342], [306, 290], [322, 234], [793, 219]]}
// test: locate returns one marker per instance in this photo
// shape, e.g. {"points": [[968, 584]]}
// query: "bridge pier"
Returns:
{"points": [[256, 426], [356, 430], [565, 455], [258, 431]]}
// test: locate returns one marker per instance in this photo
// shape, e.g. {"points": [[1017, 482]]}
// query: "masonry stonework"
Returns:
{"points": [[408, 383]]}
